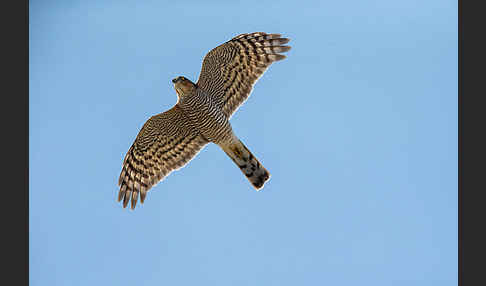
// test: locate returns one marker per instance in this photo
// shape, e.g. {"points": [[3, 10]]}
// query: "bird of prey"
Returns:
{"points": [[169, 140]]}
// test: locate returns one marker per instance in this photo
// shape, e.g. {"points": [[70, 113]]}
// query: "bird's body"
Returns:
{"points": [[204, 112], [169, 140]]}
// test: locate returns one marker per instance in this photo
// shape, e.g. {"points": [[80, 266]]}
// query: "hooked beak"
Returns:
{"points": [[174, 80]]}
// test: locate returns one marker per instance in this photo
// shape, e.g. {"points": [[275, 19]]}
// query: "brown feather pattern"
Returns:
{"points": [[231, 69], [169, 140], [166, 142]]}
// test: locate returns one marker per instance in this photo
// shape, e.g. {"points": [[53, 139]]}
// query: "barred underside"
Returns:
{"points": [[202, 109], [171, 139], [231, 69], [166, 143]]}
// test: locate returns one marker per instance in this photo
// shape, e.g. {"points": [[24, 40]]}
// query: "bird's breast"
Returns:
{"points": [[207, 117]]}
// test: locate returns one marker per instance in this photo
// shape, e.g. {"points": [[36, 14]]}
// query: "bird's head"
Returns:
{"points": [[183, 86]]}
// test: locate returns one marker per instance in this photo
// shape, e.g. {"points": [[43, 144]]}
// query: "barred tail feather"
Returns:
{"points": [[248, 164]]}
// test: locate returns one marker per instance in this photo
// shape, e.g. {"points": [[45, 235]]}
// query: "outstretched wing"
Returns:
{"points": [[166, 142], [230, 70]]}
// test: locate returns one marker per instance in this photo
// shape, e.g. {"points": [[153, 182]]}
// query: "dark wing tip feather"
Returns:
{"points": [[276, 57], [126, 199], [134, 199], [122, 191], [143, 193], [283, 41], [285, 48], [273, 36]]}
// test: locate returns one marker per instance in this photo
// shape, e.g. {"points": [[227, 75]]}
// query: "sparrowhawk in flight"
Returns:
{"points": [[169, 140]]}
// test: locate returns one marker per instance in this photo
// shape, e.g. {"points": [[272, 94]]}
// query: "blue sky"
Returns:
{"points": [[358, 127]]}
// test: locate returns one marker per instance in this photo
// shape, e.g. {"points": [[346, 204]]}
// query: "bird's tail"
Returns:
{"points": [[248, 164]]}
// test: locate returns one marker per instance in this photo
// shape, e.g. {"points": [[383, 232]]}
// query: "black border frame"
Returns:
{"points": [[15, 143], [15, 210], [470, 143]]}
